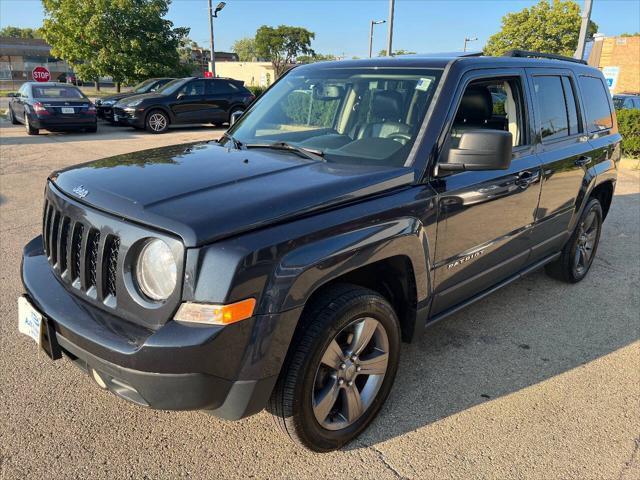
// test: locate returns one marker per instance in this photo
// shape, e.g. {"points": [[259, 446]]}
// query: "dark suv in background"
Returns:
{"points": [[353, 204], [105, 105], [184, 101]]}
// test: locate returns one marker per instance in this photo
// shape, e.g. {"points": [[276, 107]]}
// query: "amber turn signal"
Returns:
{"points": [[215, 314]]}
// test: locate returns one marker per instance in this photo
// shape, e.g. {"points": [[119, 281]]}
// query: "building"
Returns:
{"points": [[19, 56], [256, 74], [200, 57], [619, 60]]}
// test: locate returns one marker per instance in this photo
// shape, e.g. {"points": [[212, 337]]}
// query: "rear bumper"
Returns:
{"points": [[54, 122], [229, 371]]}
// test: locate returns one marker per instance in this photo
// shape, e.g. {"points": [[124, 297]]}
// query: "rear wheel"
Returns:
{"points": [[578, 254], [27, 125], [157, 122], [341, 368]]}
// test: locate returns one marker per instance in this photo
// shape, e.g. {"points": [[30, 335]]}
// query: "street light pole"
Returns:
{"points": [[213, 14], [373, 22], [584, 26], [390, 34], [466, 40]]}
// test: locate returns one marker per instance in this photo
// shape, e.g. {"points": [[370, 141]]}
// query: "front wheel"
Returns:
{"points": [[157, 122], [578, 254], [341, 368]]}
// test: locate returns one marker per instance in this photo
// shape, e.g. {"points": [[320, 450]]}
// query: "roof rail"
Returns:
{"points": [[553, 56]]}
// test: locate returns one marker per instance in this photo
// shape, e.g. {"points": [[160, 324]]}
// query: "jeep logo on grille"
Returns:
{"points": [[80, 191]]}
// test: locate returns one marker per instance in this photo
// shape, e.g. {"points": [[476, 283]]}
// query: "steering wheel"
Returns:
{"points": [[400, 137]]}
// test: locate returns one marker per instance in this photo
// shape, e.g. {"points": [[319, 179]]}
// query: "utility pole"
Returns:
{"points": [[466, 40], [584, 26], [212, 67], [373, 22], [390, 34]]}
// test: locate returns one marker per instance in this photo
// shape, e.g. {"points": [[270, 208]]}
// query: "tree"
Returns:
{"points": [[316, 57], [128, 40], [282, 45], [17, 32], [627, 34], [383, 52], [246, 49], [545, 27]]}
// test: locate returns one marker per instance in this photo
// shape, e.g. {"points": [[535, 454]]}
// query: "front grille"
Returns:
{"points": [[75, 251]]}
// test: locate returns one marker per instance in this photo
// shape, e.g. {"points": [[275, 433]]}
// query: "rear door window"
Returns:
{"points": [[596, 100], [554, 119]]}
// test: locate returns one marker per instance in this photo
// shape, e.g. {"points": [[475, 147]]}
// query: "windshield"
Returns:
{"points": [[173, 86], [57, 92], [350, 115], [143, 87], [618, 102]]}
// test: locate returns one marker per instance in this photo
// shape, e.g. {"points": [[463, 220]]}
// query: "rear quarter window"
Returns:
{"points": [[596, 101]]}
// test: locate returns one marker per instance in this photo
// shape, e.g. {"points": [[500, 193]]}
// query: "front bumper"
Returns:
{"points": [[229, 371], [130, 116]]}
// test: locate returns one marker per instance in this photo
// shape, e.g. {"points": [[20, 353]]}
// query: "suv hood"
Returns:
{"points": [[118, 96], [141, 96], [204, 192]]}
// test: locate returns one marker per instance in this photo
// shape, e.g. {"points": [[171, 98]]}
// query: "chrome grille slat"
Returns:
{"points": [[91, 263], [110, 264], [53, 238], [76, 251], [62, 244]]}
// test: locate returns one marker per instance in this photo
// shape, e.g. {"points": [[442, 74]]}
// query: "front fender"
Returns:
{"points": [[302, 271]]}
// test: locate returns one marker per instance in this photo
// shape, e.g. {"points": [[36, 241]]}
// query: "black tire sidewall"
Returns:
{"points": [[593, 205], [312, 432]]}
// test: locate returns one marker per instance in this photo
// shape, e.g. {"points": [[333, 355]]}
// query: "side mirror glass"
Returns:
{"points": [[480, 150], [235, 116]]}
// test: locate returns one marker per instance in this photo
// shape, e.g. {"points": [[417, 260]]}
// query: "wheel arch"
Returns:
{"points": [[162, 108]]}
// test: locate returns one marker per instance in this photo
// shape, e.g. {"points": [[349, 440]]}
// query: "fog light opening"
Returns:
{"points": [[98, 378]]}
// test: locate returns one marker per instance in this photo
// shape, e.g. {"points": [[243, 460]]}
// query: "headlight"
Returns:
{"points": [[134, 103], [107, 103], [156, 270]]}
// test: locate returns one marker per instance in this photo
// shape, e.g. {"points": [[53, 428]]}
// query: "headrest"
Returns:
{"points": [[387, 105], [476, 105]]}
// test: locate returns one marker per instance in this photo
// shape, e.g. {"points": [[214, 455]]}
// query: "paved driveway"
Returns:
{"points": [[540, 380]]}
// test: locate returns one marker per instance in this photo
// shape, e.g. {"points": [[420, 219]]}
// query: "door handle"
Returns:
{"points": [[526, 178], [582, 161]]}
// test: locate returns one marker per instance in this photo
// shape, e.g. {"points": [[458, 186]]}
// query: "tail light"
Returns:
{"points": [[91, 109], [40, 109], [251, 98]]}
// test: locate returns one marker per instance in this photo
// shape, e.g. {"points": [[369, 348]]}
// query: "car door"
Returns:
{"points": [[485, 217], [565, 153], [218, 96], [189, 105], [17, 102]]}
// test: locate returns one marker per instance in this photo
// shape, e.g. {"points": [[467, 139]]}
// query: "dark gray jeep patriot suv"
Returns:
{"points": [[350, 206]]}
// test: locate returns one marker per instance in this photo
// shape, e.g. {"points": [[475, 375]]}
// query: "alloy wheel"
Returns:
{"points": [[350, 374], [157, 122], [586, 242]]}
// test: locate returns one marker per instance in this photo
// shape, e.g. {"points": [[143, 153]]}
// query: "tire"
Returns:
{"points": [[157, 122], [580, 250], [328, 325], [28, 127], [12, 117], [93, 129]]}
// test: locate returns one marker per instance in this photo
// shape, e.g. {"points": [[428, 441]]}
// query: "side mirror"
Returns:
{"points": [[235, 116], [480, 150], [181, 96], [12, 95]]}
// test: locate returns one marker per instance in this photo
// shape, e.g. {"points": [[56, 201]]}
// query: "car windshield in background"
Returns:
{"points": [[367, 116], [173, 86], [143, 87], [56, 92]]}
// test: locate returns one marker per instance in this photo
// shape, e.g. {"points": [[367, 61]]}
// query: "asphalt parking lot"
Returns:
{"points": [[540, 381]]}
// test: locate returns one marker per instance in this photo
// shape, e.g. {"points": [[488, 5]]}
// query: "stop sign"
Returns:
{"points": [[41, 74]]}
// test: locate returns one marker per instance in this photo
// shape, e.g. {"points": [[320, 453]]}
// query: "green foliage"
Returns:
{"points": [[383, 52], [316, 57], [302, 109], [545, 27], [629, 127], [17, 32], [246, 49], [256, 90], [128, 40], [282, 45], [627, 34]]}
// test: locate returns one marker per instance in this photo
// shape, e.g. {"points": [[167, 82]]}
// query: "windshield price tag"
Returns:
{"points": [[423, 84]]}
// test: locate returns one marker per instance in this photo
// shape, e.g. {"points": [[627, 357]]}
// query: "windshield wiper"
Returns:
{"points": [[309, 153], [236, 143]]}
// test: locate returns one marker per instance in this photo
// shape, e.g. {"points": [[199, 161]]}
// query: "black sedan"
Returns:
{"points": [[105, 104], [184, 101], [52, 106]]}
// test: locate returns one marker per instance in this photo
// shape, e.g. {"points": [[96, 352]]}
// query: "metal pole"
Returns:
{"points": [[464, 49], [371, 40], [213, 53], [390, 34], [584, 26]]}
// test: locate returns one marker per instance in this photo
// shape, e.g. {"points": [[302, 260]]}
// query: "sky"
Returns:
{"points": [[342, 26]]}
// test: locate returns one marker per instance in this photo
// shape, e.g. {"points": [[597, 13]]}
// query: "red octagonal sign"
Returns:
{"points": [[41, 74]]}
